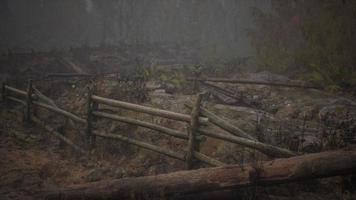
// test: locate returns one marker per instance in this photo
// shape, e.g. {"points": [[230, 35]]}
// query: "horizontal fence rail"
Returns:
{"points": [[28, 96], [68, 75], [57, 134], [17, 91], [145, 109], [208, 160], [252, 82], [264, 148], [198, 119], [155, 112], [168, 131], [239, 136], [44, 98], [141, 144], [61, 112], [17, 100], [223, 124]]}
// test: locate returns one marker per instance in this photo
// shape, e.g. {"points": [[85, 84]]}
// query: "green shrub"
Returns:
{"points": [[315, 38]]}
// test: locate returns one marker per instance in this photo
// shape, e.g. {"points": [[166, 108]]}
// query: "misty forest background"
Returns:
{"points": [[312, 40]]}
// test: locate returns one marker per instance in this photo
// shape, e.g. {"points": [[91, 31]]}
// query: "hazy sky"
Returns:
{"points": [[219, 25]]}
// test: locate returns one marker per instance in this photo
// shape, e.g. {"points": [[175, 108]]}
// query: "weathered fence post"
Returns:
{"points": [[195, 84], [197, 74], [193, 143], [3, 92], [62, 131], [29, 100], [88, 130], [94, 107]]}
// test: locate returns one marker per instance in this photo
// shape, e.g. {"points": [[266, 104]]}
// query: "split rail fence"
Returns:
{"points": [[197, 121]]}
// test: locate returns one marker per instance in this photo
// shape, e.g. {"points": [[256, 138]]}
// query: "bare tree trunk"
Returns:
{"points": [[180, 184]]}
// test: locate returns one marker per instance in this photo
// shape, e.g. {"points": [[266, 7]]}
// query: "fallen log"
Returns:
{"points": [[178, 184], [240, 81]]}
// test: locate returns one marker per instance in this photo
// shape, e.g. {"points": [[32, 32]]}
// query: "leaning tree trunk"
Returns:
{"points": [[183, 183]]}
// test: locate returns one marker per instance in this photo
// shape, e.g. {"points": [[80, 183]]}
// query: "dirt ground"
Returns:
{"points": [[32, 162]]}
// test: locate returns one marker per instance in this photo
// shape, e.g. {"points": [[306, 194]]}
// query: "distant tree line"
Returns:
{"points": [[315, 40]]}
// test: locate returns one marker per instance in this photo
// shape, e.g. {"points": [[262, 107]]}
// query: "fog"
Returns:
{"points": [[178, 99], [218, 26]]}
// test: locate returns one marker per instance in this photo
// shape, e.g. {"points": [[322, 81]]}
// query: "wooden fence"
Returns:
{"points": [[254, 82], [197, 121]]}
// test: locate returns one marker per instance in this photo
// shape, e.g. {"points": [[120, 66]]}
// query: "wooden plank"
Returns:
{"points": [[262, 147], [57, 135], [193, 143], [168, 131], [184, 183], [145, 109], [61, 112], [252, 82], [141, 144]]}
